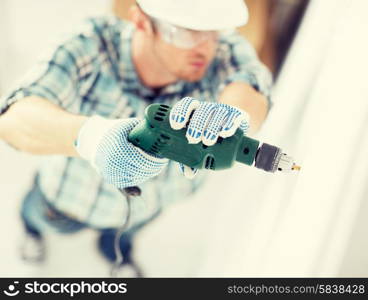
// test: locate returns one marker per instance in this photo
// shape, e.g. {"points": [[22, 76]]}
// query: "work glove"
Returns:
{"points": [[104, 143], [207, 122]]}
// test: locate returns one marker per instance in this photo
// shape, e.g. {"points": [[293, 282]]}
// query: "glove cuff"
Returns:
{"points": [[90, 135]]}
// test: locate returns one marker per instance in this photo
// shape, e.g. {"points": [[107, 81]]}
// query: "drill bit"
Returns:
{"points": [[285, 163], [296, 167]]}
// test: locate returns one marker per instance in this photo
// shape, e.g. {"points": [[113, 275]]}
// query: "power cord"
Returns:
{"points": [[128, 192]]}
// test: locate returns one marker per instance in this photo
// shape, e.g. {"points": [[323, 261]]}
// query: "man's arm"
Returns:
{"points": [[38, 126], [34, 116], [245, 97], [246, 81]]}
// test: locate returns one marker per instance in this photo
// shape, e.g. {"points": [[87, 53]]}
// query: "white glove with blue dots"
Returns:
{"points": [[104, 143], [208, 121]]}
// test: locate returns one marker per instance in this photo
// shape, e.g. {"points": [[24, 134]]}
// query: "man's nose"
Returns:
{"points": [[206, 47]]}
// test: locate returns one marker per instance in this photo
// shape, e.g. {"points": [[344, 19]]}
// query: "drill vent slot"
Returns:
{"points": [[210, 163], [165, 136], [157, 146], [154, 149], [159, 119], [163, 109], [164, 106], [160, 114]]}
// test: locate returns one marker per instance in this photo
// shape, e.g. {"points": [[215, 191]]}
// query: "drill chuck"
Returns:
{"points": [[271, 159]]}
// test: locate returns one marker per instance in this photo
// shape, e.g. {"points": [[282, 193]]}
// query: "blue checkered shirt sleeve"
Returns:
{"points": [[239, 62], [58, 75]]}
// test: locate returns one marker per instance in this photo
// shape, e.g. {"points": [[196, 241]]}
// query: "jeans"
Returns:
{"points": [[39, 216]]}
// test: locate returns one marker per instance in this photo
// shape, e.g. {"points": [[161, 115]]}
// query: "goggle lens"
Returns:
{"points": [[182, 37]]}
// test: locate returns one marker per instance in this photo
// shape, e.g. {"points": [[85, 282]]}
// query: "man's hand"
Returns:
{"points": [[104, 143], [207, 122]]}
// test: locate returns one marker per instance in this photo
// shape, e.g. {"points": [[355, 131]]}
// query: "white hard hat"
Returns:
{"points": [[198, 14]]}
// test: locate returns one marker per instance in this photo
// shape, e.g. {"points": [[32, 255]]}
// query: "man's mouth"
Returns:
{"points": [[198, 64]]}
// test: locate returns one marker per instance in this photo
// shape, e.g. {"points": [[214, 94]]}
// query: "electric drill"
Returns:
{"points": [[155, 136]]}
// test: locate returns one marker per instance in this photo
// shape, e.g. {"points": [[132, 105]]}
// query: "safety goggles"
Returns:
{"points": [[181, 37]]}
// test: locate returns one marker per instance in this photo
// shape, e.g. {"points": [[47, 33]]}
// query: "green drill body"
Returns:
{"points": [[155, 135]]}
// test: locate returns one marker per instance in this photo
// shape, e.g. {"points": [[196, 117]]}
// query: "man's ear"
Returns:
{"points": [[140, 19]]}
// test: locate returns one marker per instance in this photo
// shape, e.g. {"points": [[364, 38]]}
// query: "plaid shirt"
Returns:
{"points": [[92, 73]]}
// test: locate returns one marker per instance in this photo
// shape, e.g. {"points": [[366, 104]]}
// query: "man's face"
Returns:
{"points": [[189, 64]]}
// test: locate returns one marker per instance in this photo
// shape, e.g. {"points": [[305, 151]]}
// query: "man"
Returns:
{"points": [[79, 105]]}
